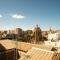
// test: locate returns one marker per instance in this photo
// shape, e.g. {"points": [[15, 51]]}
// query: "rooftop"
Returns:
{"points": [[34, 51], [40, 54]]}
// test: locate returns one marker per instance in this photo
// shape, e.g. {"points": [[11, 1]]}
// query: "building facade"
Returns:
{"points": [[53, 36], [37, 34]]}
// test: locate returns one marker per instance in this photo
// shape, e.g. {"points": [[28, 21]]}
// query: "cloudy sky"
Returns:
{"points": [[27, 13]]}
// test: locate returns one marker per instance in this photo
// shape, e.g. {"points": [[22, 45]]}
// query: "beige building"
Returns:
{"points": [[37, 34], [18, 31]]}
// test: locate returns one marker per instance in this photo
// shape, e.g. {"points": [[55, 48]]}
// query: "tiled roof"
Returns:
{"points": [[41, 54]]}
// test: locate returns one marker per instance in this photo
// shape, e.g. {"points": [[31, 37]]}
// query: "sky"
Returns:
{"points": [[27, 13]]}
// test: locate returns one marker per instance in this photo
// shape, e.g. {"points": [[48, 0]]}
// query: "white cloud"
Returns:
{"points": [[1, 16], [16, 16]]}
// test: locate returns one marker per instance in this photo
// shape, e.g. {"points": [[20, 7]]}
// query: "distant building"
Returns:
{"points": [[4, 34], [58, 34], [53, 39], [29, 32], [27, 35], [11, 32], [37, 34], [53, 36], [0, 34], [45, 34], [51, 31], [18, 31]]}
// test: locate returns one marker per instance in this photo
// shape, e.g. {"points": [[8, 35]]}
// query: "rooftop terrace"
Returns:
{"points": [[32, 51]]}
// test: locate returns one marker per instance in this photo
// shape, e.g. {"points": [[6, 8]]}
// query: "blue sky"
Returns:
{"points": [[27, 13]]}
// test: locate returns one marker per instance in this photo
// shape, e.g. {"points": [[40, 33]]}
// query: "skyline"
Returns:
{"points": [[27, 13]]}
